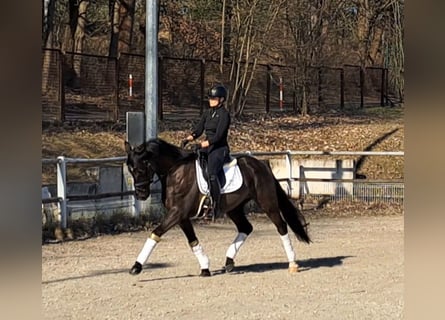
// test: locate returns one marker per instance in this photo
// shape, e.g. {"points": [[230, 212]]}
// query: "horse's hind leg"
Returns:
{"points": [[198, 251], [270, 206], [244, 229]]}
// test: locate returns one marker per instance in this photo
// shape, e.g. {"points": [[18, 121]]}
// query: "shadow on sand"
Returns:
{"points": [[99, 273], [304, 265]]}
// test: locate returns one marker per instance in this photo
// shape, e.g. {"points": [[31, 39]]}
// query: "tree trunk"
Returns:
{"points": [[48, 23], [114, 18], [47, 33], [304, 104], [122, 21], [253, 24], [374, 57], [79, 36]]}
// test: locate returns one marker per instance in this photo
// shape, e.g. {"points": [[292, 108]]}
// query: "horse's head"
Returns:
{"points": [[141, 168]]}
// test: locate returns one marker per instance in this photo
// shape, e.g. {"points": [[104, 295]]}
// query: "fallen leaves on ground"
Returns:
{"points": [[268, 133]]}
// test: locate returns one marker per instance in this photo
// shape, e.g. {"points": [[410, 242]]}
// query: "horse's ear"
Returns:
{"points": [[127, 147]]}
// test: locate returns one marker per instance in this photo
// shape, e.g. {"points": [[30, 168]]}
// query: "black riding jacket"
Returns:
{"points": [[215, 122]]}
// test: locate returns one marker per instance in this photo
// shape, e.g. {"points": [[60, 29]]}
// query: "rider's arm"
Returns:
{"points": [[199, 128]]}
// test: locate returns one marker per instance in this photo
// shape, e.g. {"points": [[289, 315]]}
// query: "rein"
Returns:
{"points": [[146, 182]]}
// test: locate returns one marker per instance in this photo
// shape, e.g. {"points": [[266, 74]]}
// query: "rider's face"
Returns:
{"points": [[214, 102]]}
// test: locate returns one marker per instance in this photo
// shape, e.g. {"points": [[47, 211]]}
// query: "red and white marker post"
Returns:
{"points": [[130, 85]]}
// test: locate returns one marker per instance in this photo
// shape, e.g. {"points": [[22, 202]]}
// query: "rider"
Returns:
{"points": [[215, 121]]}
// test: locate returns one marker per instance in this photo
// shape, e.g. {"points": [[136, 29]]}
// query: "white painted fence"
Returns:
{"points": [[298, 177]]}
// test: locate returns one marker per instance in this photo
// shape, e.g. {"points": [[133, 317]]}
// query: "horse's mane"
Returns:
{"points": [[165, 148]]}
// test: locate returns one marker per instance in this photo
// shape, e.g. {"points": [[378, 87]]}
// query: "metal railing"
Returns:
{"points": [[374, 190]]}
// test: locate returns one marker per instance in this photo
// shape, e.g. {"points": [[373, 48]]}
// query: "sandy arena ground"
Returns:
{"points": [[352, 270]]}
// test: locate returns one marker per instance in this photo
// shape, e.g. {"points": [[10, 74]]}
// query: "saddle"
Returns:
{"points": [[230, 178]]}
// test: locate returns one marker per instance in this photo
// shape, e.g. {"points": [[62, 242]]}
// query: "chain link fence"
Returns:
{"points": [[90, 87]]}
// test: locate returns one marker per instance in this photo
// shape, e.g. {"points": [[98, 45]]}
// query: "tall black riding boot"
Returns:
{"points": [[215, 192]]}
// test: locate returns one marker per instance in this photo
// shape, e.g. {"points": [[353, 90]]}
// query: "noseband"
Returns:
{"points": [[144, 183]]}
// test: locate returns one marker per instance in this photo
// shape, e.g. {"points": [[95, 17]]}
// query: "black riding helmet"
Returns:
{"points": [[218, 91]]}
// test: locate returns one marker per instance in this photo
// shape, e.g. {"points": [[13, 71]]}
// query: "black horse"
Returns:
{"points": [[175, 167]]}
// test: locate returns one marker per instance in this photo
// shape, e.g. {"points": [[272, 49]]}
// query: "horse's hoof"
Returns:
{"points": [[136, 269], [230, 264], [293, 268], [205, 273], [229, 267]]}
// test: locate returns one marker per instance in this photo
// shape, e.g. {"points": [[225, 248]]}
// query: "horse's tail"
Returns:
{"points": [[292, 215]]}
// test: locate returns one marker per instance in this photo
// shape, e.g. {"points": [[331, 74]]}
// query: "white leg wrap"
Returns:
{"points": [[201, 256], [236, 245], [287, 244], [146, 250]]}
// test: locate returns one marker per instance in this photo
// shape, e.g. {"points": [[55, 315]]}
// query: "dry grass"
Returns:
{"points": [[374, 129]]}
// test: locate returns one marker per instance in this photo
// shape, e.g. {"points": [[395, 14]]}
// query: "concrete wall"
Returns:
{"points": [[118, 179], [319, 169], [110, 179]]}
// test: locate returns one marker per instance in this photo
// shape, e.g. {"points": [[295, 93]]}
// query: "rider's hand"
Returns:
{"points": [[196, 147], [184, 143]]}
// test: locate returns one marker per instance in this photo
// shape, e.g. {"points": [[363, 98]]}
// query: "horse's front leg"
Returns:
{"points": [[196, 247], [172, 218], [244, 228]]}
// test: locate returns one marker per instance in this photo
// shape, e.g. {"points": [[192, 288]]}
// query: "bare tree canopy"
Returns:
{"points": [[239, 35]]}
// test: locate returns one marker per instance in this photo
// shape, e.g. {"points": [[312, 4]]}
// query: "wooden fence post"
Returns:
{"points": [[160, 89], [294, 90], [382, 89], [61, 87], [386, 86], [116, 89], [202, 80], [320, 98], [268, 85], [362, 87], [342, 88]]}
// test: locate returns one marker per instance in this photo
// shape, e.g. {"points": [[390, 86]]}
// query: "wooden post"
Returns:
{"points": [[386, 86], [342, 88], [294, 91], [320, 98], [160, 102], [61, 87], [202, 80], [116, 90], [362, 87], [269, 71], [382, 89]]}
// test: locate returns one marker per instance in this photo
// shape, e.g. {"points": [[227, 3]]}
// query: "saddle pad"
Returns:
{"points": [[234, 179]]}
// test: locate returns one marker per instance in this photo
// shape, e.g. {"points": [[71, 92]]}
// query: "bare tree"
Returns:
{"points": [[252, 22], [47, 37], [79, 35], [122, 22], [380, 35], [396, 60], [48, 23], [307, 28]]}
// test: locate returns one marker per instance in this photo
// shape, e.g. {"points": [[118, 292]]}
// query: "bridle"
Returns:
{"points": [[143, 183], [146, 182]]}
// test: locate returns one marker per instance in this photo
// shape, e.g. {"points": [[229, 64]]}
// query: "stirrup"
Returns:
{"points": [[208, 213], [205, 209]]}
